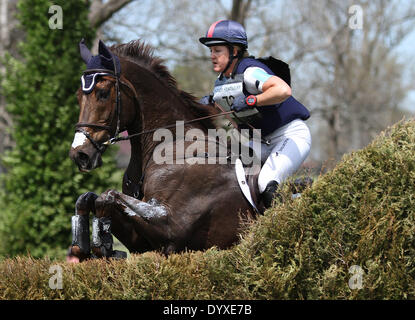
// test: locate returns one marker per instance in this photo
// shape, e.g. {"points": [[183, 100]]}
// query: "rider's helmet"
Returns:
{"points": [[225, 32], [228, 33]]}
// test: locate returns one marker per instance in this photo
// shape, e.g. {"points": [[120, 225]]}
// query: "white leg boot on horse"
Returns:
{"points": [[101, 231], [149, 218], [80, 225]]}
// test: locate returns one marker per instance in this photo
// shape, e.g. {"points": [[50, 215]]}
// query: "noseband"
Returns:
{"points": [[81, 125]]}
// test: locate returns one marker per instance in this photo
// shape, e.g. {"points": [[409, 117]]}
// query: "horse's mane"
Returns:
{"points": [[143, 54]]}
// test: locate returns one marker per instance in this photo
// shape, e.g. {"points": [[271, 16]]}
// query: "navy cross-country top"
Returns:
{"points": [[273, 117], [268, 118]]}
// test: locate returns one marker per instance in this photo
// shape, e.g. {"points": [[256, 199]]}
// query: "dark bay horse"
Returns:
{"points": [[166, 207]]}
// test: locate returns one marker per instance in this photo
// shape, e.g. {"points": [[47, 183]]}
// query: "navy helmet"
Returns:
{"points": [[225, 32]]}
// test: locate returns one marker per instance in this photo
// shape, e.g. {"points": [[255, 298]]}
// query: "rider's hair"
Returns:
{"points": [[243, 51]]}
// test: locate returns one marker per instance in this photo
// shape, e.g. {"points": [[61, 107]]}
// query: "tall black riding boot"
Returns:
{"points": [[269, 193]]}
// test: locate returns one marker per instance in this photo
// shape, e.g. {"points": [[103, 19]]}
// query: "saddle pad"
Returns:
{"points": [[240, 175]]}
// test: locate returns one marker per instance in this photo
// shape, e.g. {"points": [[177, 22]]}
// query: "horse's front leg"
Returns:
{"points": [[102, 241], [80, 225], [150, 218]]}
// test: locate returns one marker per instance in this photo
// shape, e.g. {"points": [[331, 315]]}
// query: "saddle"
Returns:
{"points": [[248, 183]]}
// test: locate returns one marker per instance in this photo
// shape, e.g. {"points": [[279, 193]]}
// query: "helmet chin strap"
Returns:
{"points": [[231, 58]]}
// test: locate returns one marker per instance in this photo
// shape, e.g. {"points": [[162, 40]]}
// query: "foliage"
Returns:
{"points": [[42, 184], [360, 213]]}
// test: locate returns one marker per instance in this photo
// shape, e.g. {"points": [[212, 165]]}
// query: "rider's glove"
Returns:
{"points": [[242, 103]]}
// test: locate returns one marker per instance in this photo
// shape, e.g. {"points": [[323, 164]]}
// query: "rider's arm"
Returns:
{"points": [[268, 89]]}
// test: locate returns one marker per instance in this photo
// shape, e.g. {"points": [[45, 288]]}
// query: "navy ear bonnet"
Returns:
{"points": [[105, 63]]}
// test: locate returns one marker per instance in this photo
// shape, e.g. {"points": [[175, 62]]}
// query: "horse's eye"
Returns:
{"points": [[102, 94]]}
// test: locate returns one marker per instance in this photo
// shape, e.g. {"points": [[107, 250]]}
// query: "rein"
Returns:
{"points": [[116, 139]]}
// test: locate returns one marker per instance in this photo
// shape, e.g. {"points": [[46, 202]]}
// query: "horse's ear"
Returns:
{"points": [[85, 53], [104, 51], [112, 63]]}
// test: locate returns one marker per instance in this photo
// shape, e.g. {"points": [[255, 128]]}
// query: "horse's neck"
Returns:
{"points": [[162, 107]]}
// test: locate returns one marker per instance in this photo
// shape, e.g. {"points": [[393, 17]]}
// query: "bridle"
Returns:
{"points": [[101, 146]]}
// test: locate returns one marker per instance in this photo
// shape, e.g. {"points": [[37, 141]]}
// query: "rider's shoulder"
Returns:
{"points": [[250, 62]]}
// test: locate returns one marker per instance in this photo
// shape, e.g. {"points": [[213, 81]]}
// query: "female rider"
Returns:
{"points": [[261, 100]]}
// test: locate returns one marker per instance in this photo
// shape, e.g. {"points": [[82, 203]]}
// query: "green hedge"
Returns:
{"points": [[361, 213]]}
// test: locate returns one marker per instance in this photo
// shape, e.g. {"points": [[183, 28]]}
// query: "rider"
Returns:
{"points": [[261, 100]]}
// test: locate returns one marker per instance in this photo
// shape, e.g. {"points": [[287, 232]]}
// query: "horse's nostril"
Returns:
{"points": [[83, 158]]}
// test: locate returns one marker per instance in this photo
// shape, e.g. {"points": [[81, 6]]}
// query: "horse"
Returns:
{"points": [[167, 207]]}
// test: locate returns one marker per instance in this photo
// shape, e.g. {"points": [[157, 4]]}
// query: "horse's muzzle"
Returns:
{"points": [[86, 161]]}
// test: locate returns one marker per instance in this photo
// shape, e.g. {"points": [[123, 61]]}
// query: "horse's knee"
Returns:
{"points": [[104, 201], [85, 203]]}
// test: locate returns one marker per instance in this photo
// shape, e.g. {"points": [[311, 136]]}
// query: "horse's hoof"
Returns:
{"points": [[77, 252], [119, 255], [97, 253]]}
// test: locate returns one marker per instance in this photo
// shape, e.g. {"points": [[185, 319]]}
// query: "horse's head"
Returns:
{"points": [[99, 98]]}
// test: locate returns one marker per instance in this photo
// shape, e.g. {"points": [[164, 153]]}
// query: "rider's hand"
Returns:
{"points": [[242, 103]]}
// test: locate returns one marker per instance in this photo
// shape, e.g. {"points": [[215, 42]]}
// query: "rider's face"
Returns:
{"points": [[219, 56]]}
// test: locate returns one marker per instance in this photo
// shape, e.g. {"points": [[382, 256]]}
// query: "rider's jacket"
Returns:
{"points": [[266, 118]]}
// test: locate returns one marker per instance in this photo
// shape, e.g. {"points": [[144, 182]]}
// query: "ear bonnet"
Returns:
{"points": [[105, 63]]}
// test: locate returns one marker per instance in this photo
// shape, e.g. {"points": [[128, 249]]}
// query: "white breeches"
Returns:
{"points": [[289, 147]]}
